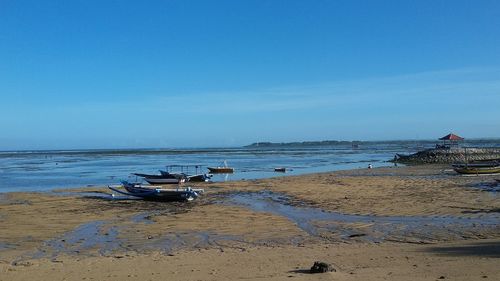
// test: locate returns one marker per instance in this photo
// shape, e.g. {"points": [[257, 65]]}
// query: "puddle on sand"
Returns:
{"points": [[93, 236], [6, 246], [492, 187], [106, 238], [317, 222]]}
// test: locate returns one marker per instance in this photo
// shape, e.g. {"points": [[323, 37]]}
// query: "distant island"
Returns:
{"points": [[303, 143], [494, 142]]}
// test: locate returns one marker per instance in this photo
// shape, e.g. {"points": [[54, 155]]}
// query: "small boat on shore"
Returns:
{"points": [[160, 180], [197, 177], [163, 178], [157, 193], [184, 171], [477, 168], [192, 178], [221, 169]]}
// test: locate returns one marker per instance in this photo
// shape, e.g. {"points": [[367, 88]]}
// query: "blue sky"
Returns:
{"points": [[113, 74]]}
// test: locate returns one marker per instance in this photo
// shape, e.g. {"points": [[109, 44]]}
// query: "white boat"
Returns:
{"points": [[164, 178]]}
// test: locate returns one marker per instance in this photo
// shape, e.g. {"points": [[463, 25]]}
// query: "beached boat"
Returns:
{"points": [[199, 178], [184, 171], [163, 178], [221, 169], [477, 168], [157, 193], [160, 180], [191, 178]]}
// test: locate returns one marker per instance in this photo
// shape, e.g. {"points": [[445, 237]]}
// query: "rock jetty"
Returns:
{"points": [[449, 155]]}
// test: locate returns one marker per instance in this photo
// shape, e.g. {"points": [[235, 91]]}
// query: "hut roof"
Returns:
{"points": [[452, 137]]}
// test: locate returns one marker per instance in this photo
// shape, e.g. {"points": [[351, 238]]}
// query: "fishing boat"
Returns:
{"points": [[163, 178], [221, 169], [199, 178], [192, 178], [185, 172], [280, 169], [477, 168], [156, 193]]}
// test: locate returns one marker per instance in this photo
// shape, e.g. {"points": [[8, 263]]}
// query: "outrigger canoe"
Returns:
{"points": [[479, 168], [157, 193]]}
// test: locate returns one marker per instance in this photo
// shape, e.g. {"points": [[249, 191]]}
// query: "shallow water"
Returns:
{"points": [[103, 238], [93, 236], [5, 246], [492, 187], [316, 221], [46, 170]]}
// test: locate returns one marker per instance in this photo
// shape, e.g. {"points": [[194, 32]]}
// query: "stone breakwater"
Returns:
{"points": [[447, 156]]}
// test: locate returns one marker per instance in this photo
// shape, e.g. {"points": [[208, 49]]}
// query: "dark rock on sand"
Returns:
{"points": [[321, 267]]}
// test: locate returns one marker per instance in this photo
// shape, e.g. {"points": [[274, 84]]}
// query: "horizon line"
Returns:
{"points": [[240, 146]]}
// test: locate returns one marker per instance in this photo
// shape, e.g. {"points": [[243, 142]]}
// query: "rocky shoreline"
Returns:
{"points": [[449, 155]]}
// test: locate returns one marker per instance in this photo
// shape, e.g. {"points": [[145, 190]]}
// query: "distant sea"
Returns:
{"points": [[46, 170]]}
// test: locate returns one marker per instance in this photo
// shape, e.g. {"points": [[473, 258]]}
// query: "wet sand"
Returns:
{"points": [[405, 223]]}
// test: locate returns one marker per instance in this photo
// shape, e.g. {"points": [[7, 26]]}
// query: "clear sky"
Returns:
{"points": [[115, 74]]}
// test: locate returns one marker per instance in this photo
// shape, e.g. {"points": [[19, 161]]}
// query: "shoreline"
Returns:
{"points": [[417, 213], [275, 175]]}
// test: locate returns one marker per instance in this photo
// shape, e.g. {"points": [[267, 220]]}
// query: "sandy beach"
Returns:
{"points": [[397, 223], [333, 140]]}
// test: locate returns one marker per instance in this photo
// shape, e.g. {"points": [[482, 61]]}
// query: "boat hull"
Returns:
{"points": [[187, 177], [163, 180], [221, 170], [477, 170], [157, 193], [199, 178]]}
